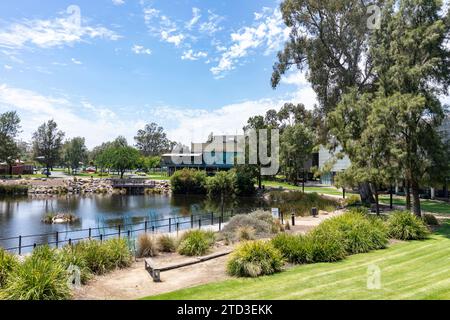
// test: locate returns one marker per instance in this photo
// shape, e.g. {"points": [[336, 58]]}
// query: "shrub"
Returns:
{"points": [[67, 256], [222, 182], [195, 243], [13, 190], [294, 248], [245, 233], [103, 257], [188, 181], [359, 233], [430, 219], [166, 243], [253, 259], [37, 278], [403, 225], [147, 246], [261, 221], [352, 200], [327, 244], [8, 262]]}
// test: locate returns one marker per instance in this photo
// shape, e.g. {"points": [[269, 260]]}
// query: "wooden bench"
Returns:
{"points": [[155, 270]]}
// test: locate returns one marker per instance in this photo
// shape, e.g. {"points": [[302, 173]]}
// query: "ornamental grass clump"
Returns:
{"points": [[403, 225], [359, 233], [294, 248], [147, 246], [254, 259], [261, 222], [8, 262], [166, 243], [39, 277], [195, 243]]}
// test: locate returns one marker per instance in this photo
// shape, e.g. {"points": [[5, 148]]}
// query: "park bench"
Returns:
{"points": [[154, 269]]}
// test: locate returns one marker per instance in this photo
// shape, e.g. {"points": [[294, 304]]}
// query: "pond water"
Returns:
{"points": [[24, 215]]}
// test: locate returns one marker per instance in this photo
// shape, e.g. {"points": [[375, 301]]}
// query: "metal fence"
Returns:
{"points": [[26, 243]]}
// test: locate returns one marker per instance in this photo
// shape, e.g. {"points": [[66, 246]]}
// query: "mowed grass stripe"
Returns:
{"points": [[409, 270]]}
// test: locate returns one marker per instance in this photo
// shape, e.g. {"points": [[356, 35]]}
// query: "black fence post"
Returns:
{"points": [[70, 242], [200, 223], [153, 229], [129, 234], [101, 238], [57, 239], [170, 225], [119, 230], [145, 226], [192, 221], [20, 245], [178, 227], [293, 219], [212, 218], [220, 223], [90, 233]]}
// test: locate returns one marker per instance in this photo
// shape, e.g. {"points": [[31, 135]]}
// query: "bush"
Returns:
{"points": [[13, 190], [8, 262], [188, 181], [359, 233], [38, 278], [294, 248], [261, 221], [352, 200], [403, 225], [147, 246], [195, 243], [253, 259], [69, 257], [245, 233], [430, 219], [300, 203], [326, 244], [166, 243], [222, 182], [103, 257]]}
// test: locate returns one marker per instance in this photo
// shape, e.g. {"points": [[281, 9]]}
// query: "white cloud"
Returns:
{"points": [[118, 2], [191, 55], [7, 67], [174, 39], [75, 61], [137, 49], [212, 25], [97, 124], [268, 32], [195, 18], [51, 33]]}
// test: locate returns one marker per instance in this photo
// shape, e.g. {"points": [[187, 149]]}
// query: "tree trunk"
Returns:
{"points": [[377, 203], [408, 195], [366, 194], [416, 198]]}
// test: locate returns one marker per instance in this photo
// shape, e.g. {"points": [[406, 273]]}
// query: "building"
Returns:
{"points": [[18, 168], [217, 153], [326, 159]]}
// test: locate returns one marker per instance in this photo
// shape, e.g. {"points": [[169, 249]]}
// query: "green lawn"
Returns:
{"points": [[285, 185], [409, 270], [427, 205]]}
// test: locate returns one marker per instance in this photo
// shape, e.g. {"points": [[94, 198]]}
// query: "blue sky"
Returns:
{"points": [[104, 68], [107, 67]]}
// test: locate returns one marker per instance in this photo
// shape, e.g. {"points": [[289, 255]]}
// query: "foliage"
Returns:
{"points": [[153, 141], [68, 257], [13, 190], [300, 203], [147, 246], [39, 277], [403, 225], [352, 200], [47, 143], [188, 181], [222, 183], [195, 242], [166, 243], [245, 233], [254, 259], [8, 263], [260, 221], [294, 248], [74, 152], [9, 129]]}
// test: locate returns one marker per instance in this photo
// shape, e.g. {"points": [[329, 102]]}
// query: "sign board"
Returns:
{"points": [[275, 213]]}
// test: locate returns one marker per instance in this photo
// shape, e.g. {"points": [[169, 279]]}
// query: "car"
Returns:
{"points": [[46, 172], [90, 170]]}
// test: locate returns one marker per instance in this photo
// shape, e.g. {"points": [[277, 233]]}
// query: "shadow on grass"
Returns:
{"points": [[444, 229]]}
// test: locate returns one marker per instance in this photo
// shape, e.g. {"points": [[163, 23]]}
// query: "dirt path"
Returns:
{"points": [[135, 282]]}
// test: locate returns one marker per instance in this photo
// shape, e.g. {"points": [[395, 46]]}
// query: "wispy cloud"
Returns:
{"points": [[118, 2], [191, 55], [138, 49], [75, 61], [51, 33], [195, 18], [268, 32]]}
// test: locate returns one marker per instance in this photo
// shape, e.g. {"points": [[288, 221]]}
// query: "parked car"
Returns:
{"points": [[91, 170]]}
